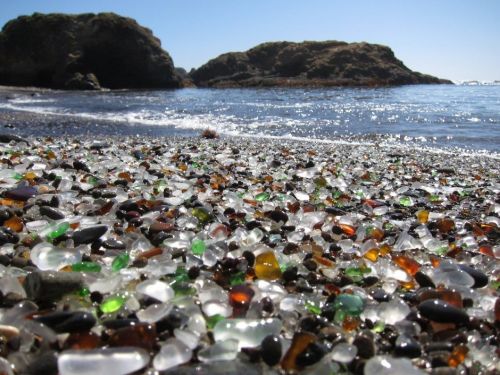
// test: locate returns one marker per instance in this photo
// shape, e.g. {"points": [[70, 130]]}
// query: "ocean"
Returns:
{"points": [[437, 116]]}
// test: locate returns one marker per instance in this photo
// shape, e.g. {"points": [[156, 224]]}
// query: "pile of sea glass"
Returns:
{"points": [[193, 256]]}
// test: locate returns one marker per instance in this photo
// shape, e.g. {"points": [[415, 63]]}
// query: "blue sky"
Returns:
{"points": [[455, 39]]}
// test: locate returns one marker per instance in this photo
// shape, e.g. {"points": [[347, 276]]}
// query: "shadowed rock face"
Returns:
{"points": [[309, 64], [83, 52]]}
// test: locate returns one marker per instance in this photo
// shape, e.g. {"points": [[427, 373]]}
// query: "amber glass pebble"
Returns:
{"points": [[445, 225], [300, 342], [83, 340], [458, 355], [240, 297], [30, 176], [372, 254], [435, 261], [384, 250], [375, 233], [408, 264], [126, 176], [14, 223], [422, 216], [324, 262], [451, 296], [350, 323], [267, 267], [142, 335]]}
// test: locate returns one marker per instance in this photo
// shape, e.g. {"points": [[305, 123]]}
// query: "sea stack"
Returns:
{"points": [[85, 51], [309, 64]]}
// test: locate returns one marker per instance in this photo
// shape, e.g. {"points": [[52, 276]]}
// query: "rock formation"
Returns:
{"points": [[309, 64], [85, 51]]}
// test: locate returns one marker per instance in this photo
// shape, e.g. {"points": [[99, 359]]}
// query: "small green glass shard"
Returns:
{"points": [[58, 231], [112, 304], [213, 320], [86, 267], [198, 247], [120, 262]]}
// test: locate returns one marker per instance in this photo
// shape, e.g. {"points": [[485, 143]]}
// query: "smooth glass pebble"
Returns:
{"points": [[248, 332], [156, 289], [211, 308], [267, 266], [172, 353], [224, 350], [344, 353], [154, 313], [48, 258], [5, 367], [348, 304], [189, 338], [391, 366], [393, 311], [110, 361]]}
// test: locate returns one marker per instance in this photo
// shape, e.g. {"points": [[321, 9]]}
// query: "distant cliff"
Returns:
{"points": [[85, 51], [309, 64]]}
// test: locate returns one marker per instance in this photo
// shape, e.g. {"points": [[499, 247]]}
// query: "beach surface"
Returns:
{"points": [[183, 255]]}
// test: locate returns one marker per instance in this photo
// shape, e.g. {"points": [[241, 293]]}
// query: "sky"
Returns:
{"points": [[453, 39]]}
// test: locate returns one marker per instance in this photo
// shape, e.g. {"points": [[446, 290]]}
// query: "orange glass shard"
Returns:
{"points": [[14, 223], [372, 255], [445, 225], [458, 355], [422, 216], [410, 266], [348, 229]]}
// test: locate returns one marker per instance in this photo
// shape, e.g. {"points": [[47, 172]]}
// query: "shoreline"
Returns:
{"points": [[53, 125]]}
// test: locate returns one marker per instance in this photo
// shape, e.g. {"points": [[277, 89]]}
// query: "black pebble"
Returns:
{"points": [[119, 323], [51, 213], [442, 312], [68, 322], [480, 278], [278, 216], [22, 193], [410, 349], [313, 353], [380, 295], [423, 280], [89, 235], [79, 165], [7, 236], [365, 345], [113, 244], [271, 350]]}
